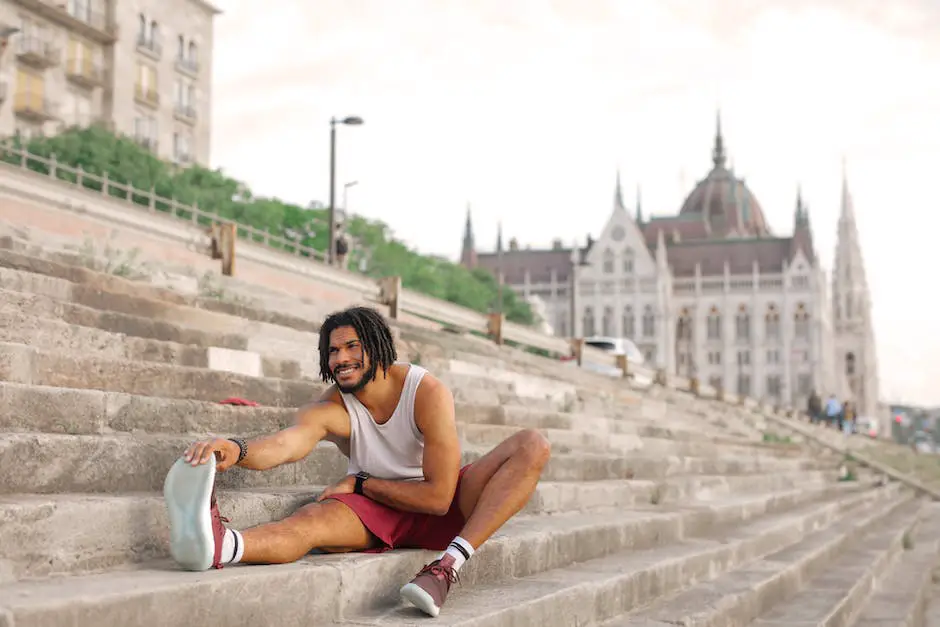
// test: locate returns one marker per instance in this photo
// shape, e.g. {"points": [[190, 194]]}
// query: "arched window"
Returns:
{"points": [[850, 364], [608, 261], [629, 322], [588, 322], [193, 52], [154, 33], [628, 261], [714, 324], [607, 322], [649, 322], [684, 326], [142, 29], [801, 322], [742, 324], [772, 323], [180, 48]]}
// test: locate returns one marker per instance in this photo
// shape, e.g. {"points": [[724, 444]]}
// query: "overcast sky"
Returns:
{"points": [[526, 108]]}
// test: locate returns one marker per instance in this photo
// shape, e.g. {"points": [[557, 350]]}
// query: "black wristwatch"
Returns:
{"points": [[360, 479]]}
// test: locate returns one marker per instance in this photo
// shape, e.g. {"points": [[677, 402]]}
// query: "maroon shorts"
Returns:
{"points": [[407, 530]]}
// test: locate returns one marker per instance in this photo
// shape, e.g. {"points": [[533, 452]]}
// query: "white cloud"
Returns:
{"points": [[525, 109]]}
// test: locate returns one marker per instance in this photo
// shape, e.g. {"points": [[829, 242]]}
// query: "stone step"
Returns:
{"points": [[27, 365], [44, 463], [132, 325], [56, 336], [67, 533], [902, 594], [85, 281], [46, 409], [595, 592], [321, 588], [821, 580]]}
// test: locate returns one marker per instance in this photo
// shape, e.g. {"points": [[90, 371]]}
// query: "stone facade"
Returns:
{"points": [[712, 293], [140, 67]]}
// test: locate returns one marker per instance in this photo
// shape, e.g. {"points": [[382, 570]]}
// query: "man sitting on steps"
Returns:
{"points": [[404, 487]]}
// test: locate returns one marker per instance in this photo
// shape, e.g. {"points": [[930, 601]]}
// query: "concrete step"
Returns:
{"points": [[321, 588], [44, 463], [820, 580], [67, 533], [53, 335], [85, 281], [28, 365], [128, 324], [901, 595], [599, 590], [46, 409]]}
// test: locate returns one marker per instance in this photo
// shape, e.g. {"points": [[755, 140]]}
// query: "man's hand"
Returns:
{"points": [[226, 453], [346, 485]]}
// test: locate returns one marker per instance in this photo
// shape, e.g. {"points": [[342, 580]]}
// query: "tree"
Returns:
{"points": [[98, 152]]}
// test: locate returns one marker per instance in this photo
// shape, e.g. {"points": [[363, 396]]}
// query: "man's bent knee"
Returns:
{"points": [[534, 448]]}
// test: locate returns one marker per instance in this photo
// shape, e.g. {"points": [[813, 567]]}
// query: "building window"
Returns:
{"points": [[744, 385], [180, 47], [684, 326], [193, 52], [805, 384], [608, 262], [801, 322], [628, 261], [714, 324], [772, 323], [588, 322], [742, 324], [649, 322], [850, 364], [773, 386], [629, 322], [607, 322], [714, 358], [744, 358], [773, 356]]}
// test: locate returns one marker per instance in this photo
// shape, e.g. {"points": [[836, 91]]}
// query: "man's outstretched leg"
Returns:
{"points": [[491, 491], [199, 539]]}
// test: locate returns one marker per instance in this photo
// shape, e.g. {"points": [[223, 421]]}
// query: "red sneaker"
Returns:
{"points": [[196, 527], [428, 590]]}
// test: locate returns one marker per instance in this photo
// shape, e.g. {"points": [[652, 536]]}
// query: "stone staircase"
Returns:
{"points": [[656, 508]]}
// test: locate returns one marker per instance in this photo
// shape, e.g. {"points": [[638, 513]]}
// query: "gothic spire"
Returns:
{"points": [[718, 153], [639, 205], [618, 193], [468, 253]]}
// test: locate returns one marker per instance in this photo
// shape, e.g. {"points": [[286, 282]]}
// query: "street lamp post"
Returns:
{"points": [[349, 121]]}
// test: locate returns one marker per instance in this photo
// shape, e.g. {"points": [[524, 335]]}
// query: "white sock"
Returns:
{"points": [[460, 550], [233, 547]]}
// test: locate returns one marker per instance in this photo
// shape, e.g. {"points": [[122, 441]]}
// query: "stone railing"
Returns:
{"points": [[38, 178]]}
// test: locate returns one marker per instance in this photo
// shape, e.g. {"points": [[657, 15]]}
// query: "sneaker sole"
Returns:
{"points": [[417, 596], [187, 491]]}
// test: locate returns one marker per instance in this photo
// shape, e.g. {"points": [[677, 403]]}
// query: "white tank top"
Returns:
{"points": [[394, 450]]}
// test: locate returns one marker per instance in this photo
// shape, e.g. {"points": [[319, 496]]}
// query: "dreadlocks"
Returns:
{"points": [[374, 335]]}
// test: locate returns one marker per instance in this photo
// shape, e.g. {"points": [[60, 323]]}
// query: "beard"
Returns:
{"points": [[364, 378]]}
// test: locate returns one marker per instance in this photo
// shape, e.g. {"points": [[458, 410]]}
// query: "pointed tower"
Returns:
{"points": [[468, 253], [719, 157], [856, 361], [639, 207], [802, 230]]}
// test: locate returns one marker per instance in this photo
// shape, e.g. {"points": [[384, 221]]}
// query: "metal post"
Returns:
{"points": [[331, 258]]}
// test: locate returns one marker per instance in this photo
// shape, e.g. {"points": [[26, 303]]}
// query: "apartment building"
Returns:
{"points": [[141, 67]]}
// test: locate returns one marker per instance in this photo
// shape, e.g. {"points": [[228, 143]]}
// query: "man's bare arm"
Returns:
{"points": [[434, 416], [315, 422], [326, 418]]}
